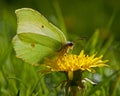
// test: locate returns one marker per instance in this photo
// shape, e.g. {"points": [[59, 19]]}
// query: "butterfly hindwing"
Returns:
{"points": [[30, 52]]}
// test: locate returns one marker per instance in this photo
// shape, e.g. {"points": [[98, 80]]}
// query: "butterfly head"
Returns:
{"points": [[69, 46]]}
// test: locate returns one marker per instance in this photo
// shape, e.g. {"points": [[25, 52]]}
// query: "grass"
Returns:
{"points": [[21, 79]]}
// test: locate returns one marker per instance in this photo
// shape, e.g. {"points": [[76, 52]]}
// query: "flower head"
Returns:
{"points": [[74, 65], [70, 62]]}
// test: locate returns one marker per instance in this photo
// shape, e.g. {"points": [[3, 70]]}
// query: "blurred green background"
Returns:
{"points": [[93, 24]]}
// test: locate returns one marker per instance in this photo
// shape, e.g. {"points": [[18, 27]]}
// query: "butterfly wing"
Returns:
{"points": [[36, 38]]}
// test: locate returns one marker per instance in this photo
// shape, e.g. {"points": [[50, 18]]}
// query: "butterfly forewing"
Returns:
{"points": [[30, 21]]}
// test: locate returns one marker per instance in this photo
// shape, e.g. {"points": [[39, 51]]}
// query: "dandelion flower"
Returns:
{"points": [[74, 65], [71, 62]]}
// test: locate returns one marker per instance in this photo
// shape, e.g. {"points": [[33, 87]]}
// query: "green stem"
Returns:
{"points": [[59, 15], [115, 86], [111, 20]]}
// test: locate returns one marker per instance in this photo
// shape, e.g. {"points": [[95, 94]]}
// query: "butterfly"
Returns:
{"points": [[37, 38]]}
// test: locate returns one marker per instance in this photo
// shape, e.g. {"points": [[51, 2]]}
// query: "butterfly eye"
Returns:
{"points": [[70, 44]]}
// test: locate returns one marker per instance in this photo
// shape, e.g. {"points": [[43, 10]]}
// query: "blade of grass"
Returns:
{"points": [[102, 83], [59, 16]]}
